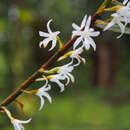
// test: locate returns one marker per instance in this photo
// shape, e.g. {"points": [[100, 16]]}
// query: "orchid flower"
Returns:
{"points": [[49, 37], [85, 35], [65, 71], [42, 92], [121, 17], [74, 54]]}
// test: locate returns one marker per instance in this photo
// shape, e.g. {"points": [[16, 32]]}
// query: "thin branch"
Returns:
{"points": [[49, 63]]}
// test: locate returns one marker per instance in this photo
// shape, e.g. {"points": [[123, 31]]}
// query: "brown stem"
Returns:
{"points": [[50, 62]]}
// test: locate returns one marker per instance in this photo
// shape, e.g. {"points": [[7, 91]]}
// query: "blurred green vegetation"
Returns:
{"points": [[82, 106]]}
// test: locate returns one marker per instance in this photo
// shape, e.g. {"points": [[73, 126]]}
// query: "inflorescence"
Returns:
{"points": [[62, 75]]}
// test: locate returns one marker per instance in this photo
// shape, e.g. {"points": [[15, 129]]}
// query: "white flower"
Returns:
{"points": [[66, 72], [76, 55], [117, 19], [49, 37], [121, 18], [42, 92], [57, 78], [16, 123], [85, 35]]}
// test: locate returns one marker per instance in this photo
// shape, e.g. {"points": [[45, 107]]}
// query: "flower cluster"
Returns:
{"points": [[62, 75]]}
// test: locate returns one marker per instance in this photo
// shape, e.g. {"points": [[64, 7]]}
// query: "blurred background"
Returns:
{"points": [[100, 97]]}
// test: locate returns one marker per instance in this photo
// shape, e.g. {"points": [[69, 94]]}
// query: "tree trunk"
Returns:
{"points": [[105, 64]]}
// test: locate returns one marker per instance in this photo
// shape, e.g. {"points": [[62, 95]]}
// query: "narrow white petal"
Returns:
{"points": [[46, 88], [78, 62], [109, 25], [92, 43], [77, 42], [46, 81], [95, 34], [70, 65], [86, 44], [128, 5], [61, 85], [122, 27], [40, 44], [87, 26], [83, 60], [25, 122], [68, 80], [48, 26], [42, 102], [76, 33], [46, 41], [53, 45], [75, 26], [45, 94], [71, 77], [125, 2], [66, 68], [83, 21], [57, 32], [43, 34], [60, 77], [77, 51]]}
